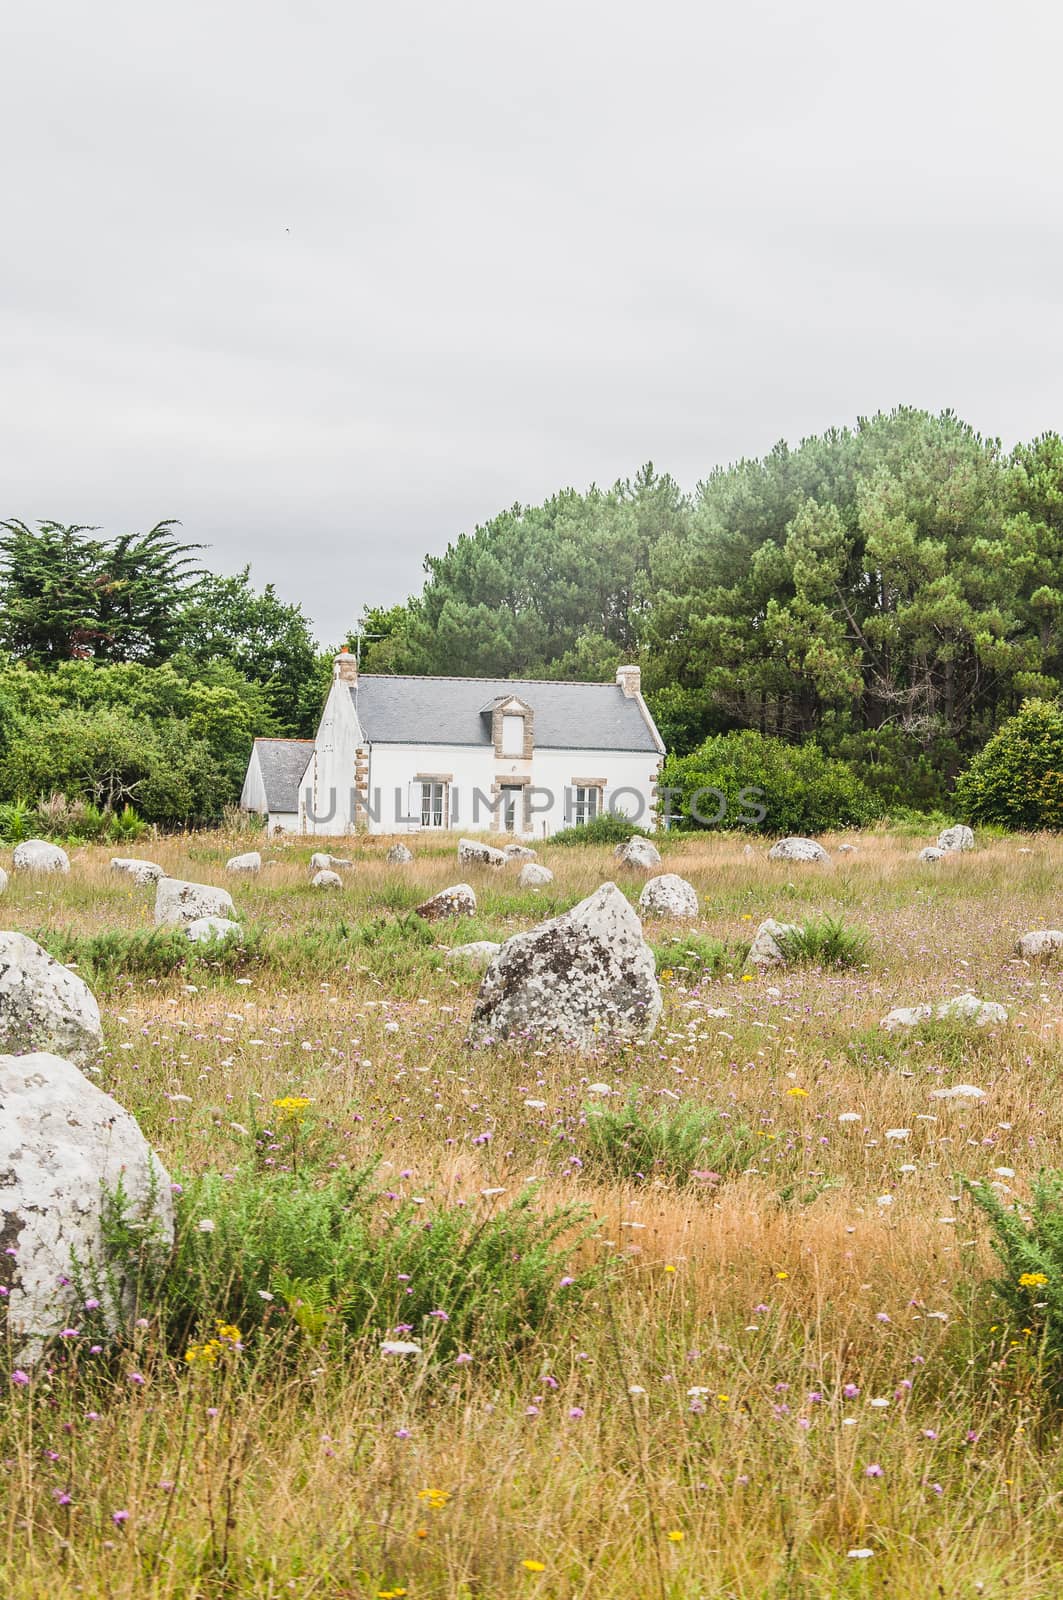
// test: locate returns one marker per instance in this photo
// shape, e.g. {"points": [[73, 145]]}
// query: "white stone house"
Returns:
{"points": [[405, 754]]}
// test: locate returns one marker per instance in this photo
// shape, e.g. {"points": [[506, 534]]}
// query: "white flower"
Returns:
{"points": [[264, 1294], [206, 1225], [399, 1347], [698, 1390], [899, 1134], [635, 1388], [884, 1200], [849, 1116], [599, 1088], [391, 1027], [487, 1193], [879, 1405], [1004, 1172], [959, 1091], [535, 1105], [860, 1555]]}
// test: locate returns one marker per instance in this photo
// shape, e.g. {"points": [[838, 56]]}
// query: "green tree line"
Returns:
{"points": [[891, 591]]}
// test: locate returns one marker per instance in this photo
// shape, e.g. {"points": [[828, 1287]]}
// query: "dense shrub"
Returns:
{"points": [[686, 1143], [897, 769], [342, 1256], [826, 942], [1017, 780], [765, 784], [603, 829], [1029, 1245]]}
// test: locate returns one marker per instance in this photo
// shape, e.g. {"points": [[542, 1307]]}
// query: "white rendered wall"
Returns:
{"points": [[253, 794]]}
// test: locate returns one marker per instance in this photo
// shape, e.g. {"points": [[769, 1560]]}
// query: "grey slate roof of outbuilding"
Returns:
{"points": [[568, 716], [282, 763]]}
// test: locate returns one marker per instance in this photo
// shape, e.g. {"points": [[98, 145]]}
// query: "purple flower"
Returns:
{"points": [[118, 1517], [565, 1282], [462, 1358], [20, 1378], [873, 1471], [851, 1390], [575, 1413]]}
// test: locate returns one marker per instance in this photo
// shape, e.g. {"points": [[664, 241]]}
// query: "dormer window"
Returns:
{"points": [[512, 734]]}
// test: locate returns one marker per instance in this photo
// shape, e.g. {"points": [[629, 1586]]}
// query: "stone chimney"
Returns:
{"points": [[630, 680], [345, 667]]}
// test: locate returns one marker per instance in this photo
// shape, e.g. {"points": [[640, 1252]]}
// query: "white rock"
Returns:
{"points": [[533, 876], [797, 850], [178, 903], [765, 951], [478, 954], [471, 853], [1043, 943], [958, 1091], [321, 861], [250, 861], [668, 895], [585, 978], [326, 880], [65, 1146], [932, 853], [3, 880], [639, 853], [519, 852], [206, 929], [457, 901], [958, 837], [846, 849], [139, 871], [398, 855], [37, 855], [43, 1005], [963, 1008]]}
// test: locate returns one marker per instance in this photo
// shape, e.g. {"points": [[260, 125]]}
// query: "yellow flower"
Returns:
{"points": [[723, 1400], [747, 916], [667, 975], [798, 1093], [1032, 1280], [292, 1105], [436, 1498], [669, 1268], [228, 1333], [675, 1535], [204, 1355], [534, 1566], [747, 977], [782, 1275]]}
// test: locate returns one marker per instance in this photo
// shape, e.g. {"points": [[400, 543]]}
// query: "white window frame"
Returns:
{"points": [[432, 802], [586, 803], [513, 733]]}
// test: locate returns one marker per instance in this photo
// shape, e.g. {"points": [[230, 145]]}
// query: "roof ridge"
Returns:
{"points": [[455, 677]]}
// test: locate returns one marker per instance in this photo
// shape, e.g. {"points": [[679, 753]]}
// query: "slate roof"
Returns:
{"points": [[282, 763], [568, 716]]}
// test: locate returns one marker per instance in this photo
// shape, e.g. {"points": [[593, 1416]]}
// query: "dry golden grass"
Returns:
{"points": [[845, 1259]]}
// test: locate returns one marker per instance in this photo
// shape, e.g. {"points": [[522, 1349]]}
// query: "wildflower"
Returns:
{"points": [[850, 1391], [532, 1565], [860, 1555], [20, 1378], [292, 1105], [675, 1536], [747, 977], [435, 1499], [1032, 1280], [669, 1268], [798, 1093], [206, 1225], [782, 1275], [873, 1471], [118, 1517], [204, 1355], [399, 1347]]}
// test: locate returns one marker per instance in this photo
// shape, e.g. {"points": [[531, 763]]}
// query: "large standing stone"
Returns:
{"points": [[797, 850], [250, 861], [932, 853], [766, 951], [65, 1147], [639, 853], [471, 853], [534, 876], [43, 1005], [519, 852], [321, 861], [669, 895], [37, 855], [586, 978], [1041, 944], [958, 837], [140, 871], [963, 1008], [178, 903], [398, 855], [457, 901]]}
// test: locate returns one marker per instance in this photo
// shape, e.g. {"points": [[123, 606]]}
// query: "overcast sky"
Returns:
{"points": [[333, 282]]}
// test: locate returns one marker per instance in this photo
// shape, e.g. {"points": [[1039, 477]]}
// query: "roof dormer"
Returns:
{"points": [[512, 727]]}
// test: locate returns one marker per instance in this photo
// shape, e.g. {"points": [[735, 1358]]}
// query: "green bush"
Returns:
{"points": [[765, 784], [1029, 1245], [684, 1143], [899, 770], [342, 1257], [693, 957], [826, 942], [603, 829], [1017, 780]]}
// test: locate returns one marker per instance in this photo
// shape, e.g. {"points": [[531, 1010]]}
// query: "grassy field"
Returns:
{"points": [[769, 1364]]}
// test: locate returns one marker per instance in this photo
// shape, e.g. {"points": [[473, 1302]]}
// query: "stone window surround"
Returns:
{"points": [[446, 779], [513, 707], [507, 780]]}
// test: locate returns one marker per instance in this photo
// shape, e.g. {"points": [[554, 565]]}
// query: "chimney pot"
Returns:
{"points": [[630, 680], [345, 667]]}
